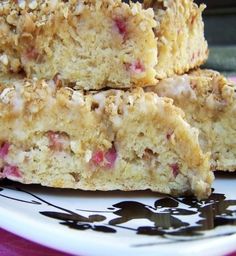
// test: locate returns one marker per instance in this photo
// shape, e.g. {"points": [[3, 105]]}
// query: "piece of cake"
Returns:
{"points": [[180, 36], [209, 102], [107, 140], [103, 43]]}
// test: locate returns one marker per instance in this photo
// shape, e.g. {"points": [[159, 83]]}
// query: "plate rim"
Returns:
{"points": [[100, 247]]}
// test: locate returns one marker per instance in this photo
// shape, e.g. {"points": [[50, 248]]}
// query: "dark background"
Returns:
{"points": [[220, 31], [220, 21], [218, 3]]}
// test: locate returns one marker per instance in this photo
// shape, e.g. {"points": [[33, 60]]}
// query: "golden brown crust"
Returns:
{"points": [[180, 32]]}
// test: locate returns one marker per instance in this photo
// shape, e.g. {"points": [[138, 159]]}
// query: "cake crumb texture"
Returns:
{"points": [[104, 43], [209, 102], [107, 140]]}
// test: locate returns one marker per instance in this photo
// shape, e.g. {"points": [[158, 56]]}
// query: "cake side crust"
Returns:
{"points": [[107, 140], [96, 44], [209, 102]]}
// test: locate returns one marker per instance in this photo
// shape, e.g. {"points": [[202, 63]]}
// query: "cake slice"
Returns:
{"points": [[108, 140], [209, 102], [103, 43], [180, 36]]}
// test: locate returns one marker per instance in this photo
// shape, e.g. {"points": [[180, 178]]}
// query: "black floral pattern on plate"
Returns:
{"points": [[166, 216]]}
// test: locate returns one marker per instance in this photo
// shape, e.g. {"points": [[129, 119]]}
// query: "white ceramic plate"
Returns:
{"points": [[121, 223]]}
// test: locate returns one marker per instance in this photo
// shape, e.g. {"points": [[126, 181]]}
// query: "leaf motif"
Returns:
{"points": [[129, 210], [128, 205], [116, 221], [78, 226], [96, 218], [103, 228], [64, 216], [166, 202], [151, 231]]}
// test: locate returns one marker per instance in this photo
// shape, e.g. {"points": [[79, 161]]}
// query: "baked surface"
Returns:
{"points": [[93, 44], [180, 36], [209, 102], [107, 140]]}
